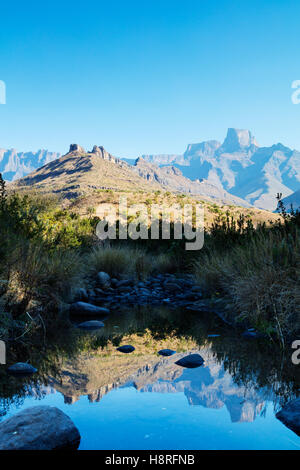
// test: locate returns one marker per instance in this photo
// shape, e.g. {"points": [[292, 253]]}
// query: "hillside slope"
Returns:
{"points": [[79, 173], [293, 199]]}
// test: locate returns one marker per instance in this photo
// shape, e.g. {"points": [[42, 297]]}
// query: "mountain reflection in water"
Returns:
{"points": [[241, 376]]}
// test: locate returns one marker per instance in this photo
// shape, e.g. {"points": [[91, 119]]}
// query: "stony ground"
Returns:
{"points": [[174, 290]]}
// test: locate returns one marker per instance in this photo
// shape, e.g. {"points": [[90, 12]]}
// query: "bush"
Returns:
{"points": [[258, 271], [114, 261], [120, 260], [46, 277]]}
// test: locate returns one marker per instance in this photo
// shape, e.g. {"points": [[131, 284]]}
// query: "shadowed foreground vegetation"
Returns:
{"points": [[257, 271], [47, 253]]}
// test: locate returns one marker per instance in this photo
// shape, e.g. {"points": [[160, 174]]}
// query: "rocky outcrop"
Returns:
{"points": [[75, 148], [39, 428], [238, 140], [102, 153]]}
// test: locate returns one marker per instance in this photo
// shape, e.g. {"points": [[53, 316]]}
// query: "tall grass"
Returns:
{"points": [[259, 275], [120, 261], [35, 274]]}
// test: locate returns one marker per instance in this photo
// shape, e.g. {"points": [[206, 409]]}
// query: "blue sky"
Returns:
{"points": [[148, 76]]}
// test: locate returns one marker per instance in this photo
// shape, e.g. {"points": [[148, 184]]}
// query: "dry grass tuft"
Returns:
{"points": [[261, 279]]}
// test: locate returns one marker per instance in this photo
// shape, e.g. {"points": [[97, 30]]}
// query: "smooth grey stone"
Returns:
{"points": [[124, 289], [290, 415], [196, 289], [126, 349], [124, 282], [191, 361], [21, 368], [91, 325], [39, 428], [172, 286], [82, 294], [166, 352], [145, 292], [85, 309], [91, 293], [103, 279], [99, 291]]}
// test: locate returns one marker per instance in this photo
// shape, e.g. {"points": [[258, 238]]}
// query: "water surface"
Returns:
{"points": [[145, 401]]}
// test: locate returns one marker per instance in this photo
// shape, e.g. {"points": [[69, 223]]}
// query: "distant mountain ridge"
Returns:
{"points": [[292, 200], [237, 171], [255, 174], [15, 165], [79, 173]]}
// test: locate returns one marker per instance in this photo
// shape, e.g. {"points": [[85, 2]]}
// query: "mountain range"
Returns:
{"points": [[81, 172], [15, 165], [255, 174], [237, 171], [209, 386]]}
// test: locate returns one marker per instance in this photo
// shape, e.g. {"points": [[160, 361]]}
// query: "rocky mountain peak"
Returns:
{"points": [[237, 140], [101, 152], [206, 148], [75, 148]]}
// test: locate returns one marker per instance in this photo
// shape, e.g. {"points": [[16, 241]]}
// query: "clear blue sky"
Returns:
{"points": [[147, 76]]}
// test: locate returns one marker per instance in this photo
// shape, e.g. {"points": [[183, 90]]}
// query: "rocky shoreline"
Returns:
{"points": [[171, 290], [163, 289]]}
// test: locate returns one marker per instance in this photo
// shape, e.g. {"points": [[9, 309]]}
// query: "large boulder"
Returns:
{"points": [[103, 280], [39, 428], [191, 361], [85, 309], [166, 352], [290, 415], [127, 348]]}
